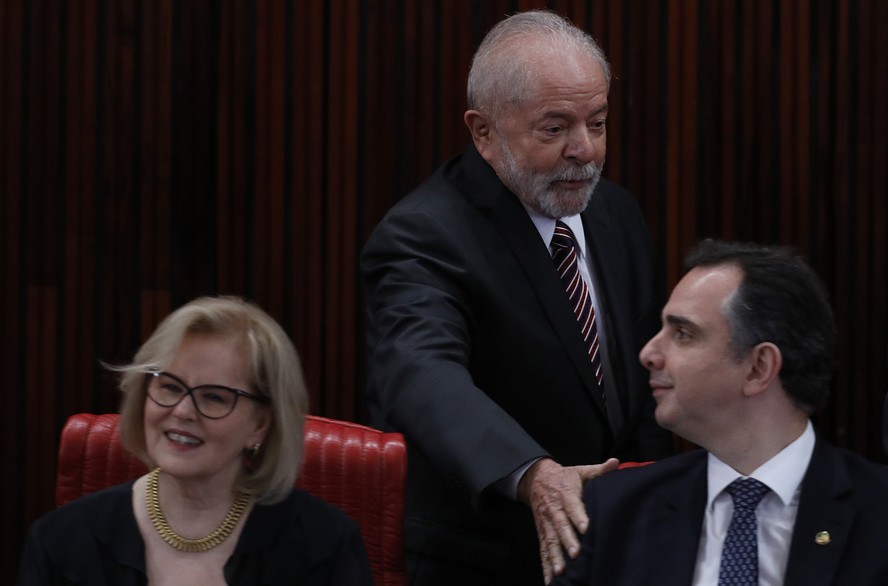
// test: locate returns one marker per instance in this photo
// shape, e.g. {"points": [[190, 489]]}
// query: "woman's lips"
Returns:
{"points": [[183, 439]]}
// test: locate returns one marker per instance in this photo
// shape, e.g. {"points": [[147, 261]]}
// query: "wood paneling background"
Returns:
{"points": [[155, 150]]}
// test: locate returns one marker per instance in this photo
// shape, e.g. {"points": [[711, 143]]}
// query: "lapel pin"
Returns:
{"points": [[822, 538]]}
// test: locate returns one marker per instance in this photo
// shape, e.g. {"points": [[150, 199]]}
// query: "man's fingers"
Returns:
{"points": [[549, 546], [554, 494], [567, 535], [579, 522], [595, 470], [560, 520], [553, 562], [556, 533]]}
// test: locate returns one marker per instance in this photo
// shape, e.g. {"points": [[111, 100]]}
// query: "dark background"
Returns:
{"points": [[156, 150]]}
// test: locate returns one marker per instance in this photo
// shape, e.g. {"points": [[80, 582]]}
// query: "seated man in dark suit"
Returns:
{"points": [[744, 356]]}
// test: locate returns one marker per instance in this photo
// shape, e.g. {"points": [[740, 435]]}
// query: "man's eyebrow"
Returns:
{"points": [[677, 320], [548, 114], [564, 115], [555, 112]]}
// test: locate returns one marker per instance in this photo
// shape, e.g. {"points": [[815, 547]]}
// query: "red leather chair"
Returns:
{"points": [[624, 465], [359, 469]]}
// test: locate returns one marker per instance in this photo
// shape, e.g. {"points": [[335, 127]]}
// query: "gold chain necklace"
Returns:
{"points": [[166, 532]]}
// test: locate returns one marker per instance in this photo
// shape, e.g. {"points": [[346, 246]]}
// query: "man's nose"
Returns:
{"points": [[650, 356], [583, 146]]}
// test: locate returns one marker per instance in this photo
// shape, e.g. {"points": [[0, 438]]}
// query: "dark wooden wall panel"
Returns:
{"points": [[12, 213], [153, 151]]}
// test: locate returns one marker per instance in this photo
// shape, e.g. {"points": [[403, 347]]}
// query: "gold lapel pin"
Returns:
{"points": [[822, 538]]}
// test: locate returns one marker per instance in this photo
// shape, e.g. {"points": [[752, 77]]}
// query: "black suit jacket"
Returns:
{"points": [[476, 356], [95, 541], [645, 524]]}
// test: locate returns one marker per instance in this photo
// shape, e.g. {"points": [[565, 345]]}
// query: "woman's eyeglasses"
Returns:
{"points": [[211, 401]]}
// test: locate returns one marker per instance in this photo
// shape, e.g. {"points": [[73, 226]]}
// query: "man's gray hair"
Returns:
{"points": [[501, 72]]}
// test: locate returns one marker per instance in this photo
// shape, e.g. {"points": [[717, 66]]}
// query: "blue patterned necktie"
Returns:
{"points": [[739, 561], [566, 259]]}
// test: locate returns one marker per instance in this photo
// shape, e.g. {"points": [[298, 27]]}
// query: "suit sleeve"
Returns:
{"points": [[35, 566], [417, 276]]}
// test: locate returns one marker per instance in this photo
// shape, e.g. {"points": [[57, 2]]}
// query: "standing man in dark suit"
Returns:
{"points": [[744, 356], [477, 354]]}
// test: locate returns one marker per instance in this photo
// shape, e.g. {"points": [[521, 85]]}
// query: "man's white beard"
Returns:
{"points": [[536, 190]]}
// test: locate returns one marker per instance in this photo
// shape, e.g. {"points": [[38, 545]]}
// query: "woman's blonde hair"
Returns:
{"points": [[275, 372]]}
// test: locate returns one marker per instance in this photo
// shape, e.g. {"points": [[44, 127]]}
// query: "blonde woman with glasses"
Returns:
{"points": [[214, 404]]}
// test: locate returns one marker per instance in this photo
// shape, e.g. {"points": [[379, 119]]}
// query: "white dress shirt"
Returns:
{"points": [[776, 513]]}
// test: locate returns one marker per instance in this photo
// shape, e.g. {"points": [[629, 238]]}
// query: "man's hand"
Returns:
{"points": [[555, 495]]}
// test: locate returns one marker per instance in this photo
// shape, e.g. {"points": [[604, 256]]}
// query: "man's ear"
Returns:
{"points": [[765, 361], [481, 130]]}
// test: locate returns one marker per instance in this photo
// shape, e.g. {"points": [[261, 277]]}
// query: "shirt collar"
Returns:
{"points": [[783, 473], [546, 227]]}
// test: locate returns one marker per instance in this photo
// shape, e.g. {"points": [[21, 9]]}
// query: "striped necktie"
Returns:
{"points": [[564, 254]]}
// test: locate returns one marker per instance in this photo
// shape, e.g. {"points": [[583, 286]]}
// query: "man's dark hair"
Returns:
{"points": [[780, 300]]}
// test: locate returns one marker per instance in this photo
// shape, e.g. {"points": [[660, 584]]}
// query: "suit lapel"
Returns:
{"points": [[604, 250], [511, 220], [607, 262], [506, 214], [676, 524], [821, 508]]}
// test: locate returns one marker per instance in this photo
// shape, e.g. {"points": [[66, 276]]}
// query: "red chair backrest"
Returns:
{"points": [[359, 469]]}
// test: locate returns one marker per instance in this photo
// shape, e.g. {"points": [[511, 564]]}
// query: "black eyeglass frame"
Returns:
{"points": [[190, 393]]}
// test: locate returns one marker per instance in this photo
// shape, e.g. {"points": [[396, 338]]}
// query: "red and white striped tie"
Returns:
{"points": [[564, 253]]}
